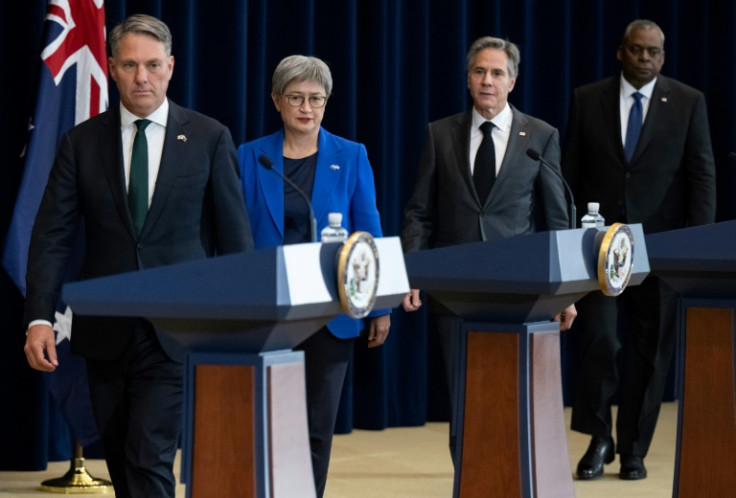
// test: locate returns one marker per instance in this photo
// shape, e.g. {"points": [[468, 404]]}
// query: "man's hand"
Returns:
{"points": [[41, 338], [412, 302], [378, 330], [566, 317]]}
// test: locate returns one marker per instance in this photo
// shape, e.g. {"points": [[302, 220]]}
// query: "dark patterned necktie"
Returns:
{"points": [[484, 169], [138, 185]]}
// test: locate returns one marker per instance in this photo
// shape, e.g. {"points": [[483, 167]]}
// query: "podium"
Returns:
{"points": [[239, 316], [700, 264], [508, 403]]}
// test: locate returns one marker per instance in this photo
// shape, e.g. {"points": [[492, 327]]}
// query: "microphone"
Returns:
{"points": [[268, 164], [573, 210]]}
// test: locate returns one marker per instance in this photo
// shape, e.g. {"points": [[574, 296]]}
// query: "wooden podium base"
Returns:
{"points": [[706, 443], [246, 426], [511, 432]]}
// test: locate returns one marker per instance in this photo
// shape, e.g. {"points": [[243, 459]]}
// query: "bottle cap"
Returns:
{"points": [[334, 218], [593, 207]]}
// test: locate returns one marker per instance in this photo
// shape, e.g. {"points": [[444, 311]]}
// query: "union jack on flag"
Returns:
{"points": [[72, 88]]}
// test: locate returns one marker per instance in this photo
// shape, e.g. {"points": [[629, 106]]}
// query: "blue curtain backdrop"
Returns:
{"points": [[396, 65]]}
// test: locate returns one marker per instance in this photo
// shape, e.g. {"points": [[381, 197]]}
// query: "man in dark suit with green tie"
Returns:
{"points": [[154, 184]]}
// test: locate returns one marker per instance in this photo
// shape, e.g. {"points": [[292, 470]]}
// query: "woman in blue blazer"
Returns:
{"points": [[336, 175]]}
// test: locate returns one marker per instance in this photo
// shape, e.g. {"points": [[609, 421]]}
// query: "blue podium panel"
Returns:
{"points": [[520, 279], [698, 261]]}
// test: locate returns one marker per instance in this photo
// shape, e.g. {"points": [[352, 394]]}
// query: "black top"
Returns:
{"points": [[296, 212]]}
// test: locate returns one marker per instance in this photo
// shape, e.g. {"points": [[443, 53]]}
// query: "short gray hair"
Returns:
{"points": [[640, 24], [511, 50], [141, 24], [298, 68]]}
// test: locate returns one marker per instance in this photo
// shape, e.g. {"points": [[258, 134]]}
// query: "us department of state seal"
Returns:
{"points": [[615, 259], [357, 274]]}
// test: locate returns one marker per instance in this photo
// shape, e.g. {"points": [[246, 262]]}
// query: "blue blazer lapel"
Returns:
{"points": [[271, 184], [330, 167]]}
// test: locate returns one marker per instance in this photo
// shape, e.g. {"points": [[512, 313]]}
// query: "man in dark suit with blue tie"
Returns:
{"points": [[153, 184], [475, 180], [639, 144]]}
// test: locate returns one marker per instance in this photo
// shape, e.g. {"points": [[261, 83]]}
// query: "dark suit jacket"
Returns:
{"points": [[445, 209], [197, 210], [670, 182]]}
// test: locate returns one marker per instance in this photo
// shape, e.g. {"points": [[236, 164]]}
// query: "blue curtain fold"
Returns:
{"points": [[396, 65]]}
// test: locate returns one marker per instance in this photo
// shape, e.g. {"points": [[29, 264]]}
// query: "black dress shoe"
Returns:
{"points": [[599, 452], [632, 468]]}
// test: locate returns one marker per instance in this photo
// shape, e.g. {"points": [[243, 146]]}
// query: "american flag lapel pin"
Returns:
{"points": [[183, 138], [334, 167], [664, 100]]}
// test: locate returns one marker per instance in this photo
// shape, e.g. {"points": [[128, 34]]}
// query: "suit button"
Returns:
{"points": [[627, 175], [139, 245]]}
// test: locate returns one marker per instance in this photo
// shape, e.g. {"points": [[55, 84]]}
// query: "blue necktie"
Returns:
{"points": [[484, 169], [633, 130], [138, 184]]}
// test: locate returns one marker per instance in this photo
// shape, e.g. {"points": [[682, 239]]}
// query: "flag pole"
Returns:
{"points": [[77, 479]]}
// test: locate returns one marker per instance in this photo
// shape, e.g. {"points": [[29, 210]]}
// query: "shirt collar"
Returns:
{"points": [[160, 116], [627, 88], [502, 120]]}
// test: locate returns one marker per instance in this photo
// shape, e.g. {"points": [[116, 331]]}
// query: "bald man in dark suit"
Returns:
{"points": [[639, 145]]}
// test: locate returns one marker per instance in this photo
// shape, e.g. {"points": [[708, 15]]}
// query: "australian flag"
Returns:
{"points": [[72, 88]]}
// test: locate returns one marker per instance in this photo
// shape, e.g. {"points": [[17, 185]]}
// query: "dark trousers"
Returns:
{"points": [[326, 361], [137, 402], [647, 342]]}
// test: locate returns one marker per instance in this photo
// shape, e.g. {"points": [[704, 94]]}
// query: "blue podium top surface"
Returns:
{"points": [[705, 248], [698, 262], [520, 279], [544, 263]]}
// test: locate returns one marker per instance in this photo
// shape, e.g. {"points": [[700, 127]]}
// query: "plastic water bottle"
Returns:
{"points": [[334, 232], [592, 219]]}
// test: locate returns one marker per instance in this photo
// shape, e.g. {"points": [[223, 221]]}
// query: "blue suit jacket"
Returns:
{"points": [[343, 183]]}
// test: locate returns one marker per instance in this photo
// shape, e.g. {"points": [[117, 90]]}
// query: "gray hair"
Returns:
{"points": [[141, 24], [641, 24], [511, 50], [298, 68]]}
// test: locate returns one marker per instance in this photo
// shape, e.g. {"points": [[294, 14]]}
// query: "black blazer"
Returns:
{"points": [[197, 210], [445, 209], [670, 182]]}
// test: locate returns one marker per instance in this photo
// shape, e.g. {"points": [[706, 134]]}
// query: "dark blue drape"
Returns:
{"points": [[396, 65]]}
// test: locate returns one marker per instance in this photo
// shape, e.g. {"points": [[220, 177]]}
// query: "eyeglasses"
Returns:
{"points": [[315, 101], [637, 50]]}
